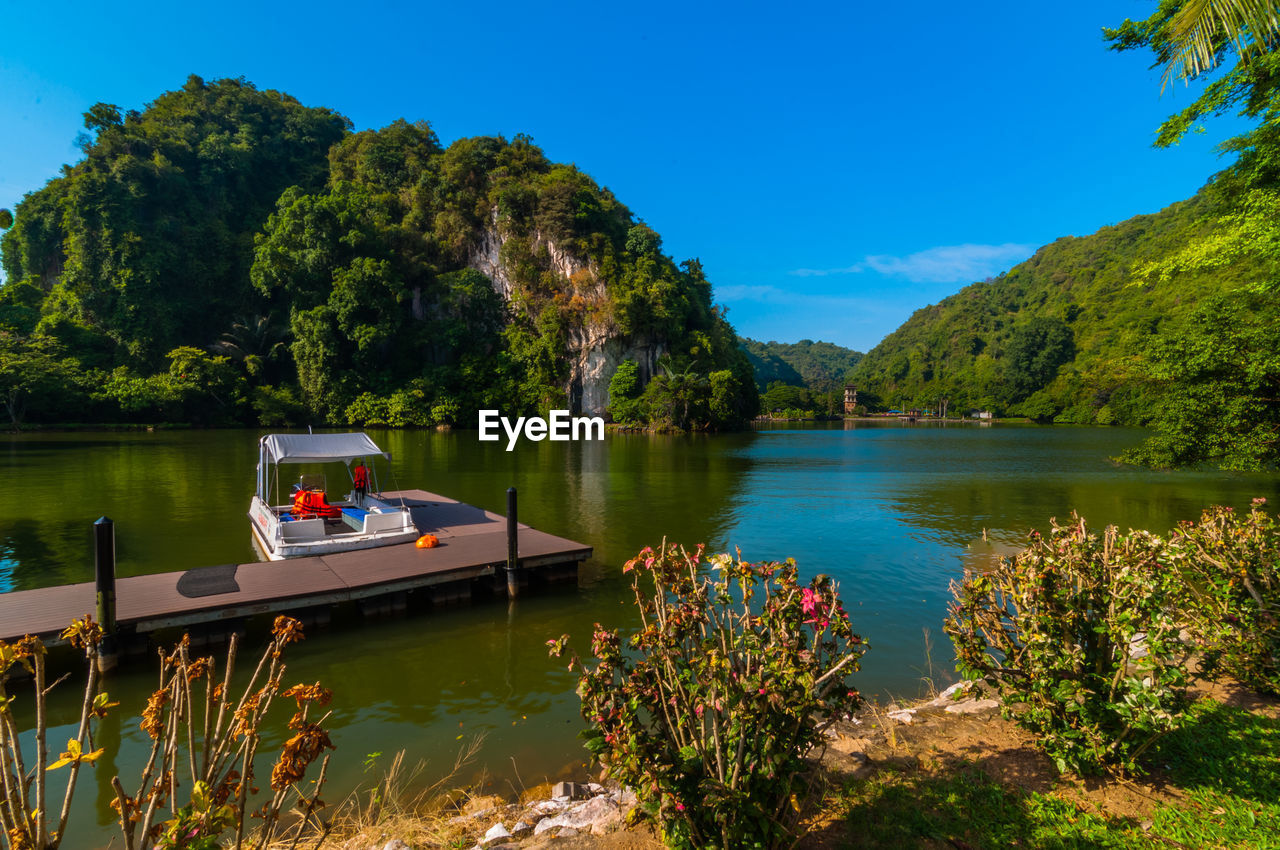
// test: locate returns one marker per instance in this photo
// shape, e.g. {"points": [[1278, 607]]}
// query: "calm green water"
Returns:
{"points": [[895, 512]]}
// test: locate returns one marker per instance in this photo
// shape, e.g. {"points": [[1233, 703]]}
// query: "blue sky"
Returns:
{"points": [[836, 166]]}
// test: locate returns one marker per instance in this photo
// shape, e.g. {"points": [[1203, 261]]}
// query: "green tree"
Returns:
{"points": [[212, 388], [255, 342], [1039, 407], [331, 257], [1035, 353], [677, 397], [34, 378], [782, 397], [1217, 384], [624, 393], [733, 401], [20, 303], [149, 237]]}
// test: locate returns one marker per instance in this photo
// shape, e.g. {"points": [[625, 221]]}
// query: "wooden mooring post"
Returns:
{"points": [[513, 580], [104, 573]]}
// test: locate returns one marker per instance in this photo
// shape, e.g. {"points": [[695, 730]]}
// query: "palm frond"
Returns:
{"points": [[1200, 30]]}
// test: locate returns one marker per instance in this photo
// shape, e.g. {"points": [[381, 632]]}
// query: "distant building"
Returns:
{"points": [[850, 399], [979, 414]]}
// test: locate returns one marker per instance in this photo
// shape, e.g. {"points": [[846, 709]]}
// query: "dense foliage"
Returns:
{"points": [[1091, 640], [147, 240], [709, 710], [227, 255], [800, 380], [683, 399], [1232, 565], [817, 366], [1080, 635], [1070, 324]]}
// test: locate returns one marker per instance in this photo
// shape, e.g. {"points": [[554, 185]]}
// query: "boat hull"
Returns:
{"points": [[308, 538]]}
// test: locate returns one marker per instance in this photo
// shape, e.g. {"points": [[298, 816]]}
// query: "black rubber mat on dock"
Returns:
{"points": [[208, 581]]}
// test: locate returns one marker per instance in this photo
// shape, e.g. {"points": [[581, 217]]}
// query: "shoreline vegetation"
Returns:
{"points": [[946, 770], [55, 427], [1122, 691]]}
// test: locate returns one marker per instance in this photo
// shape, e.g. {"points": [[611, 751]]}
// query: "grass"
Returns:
{"points": [[400, 804], [1222, 771]]}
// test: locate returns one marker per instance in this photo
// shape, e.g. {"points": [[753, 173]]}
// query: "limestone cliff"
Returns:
{"points": [[595, 345]]}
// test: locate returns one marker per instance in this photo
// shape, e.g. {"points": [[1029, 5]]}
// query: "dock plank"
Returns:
{"points": [[473, 543]]}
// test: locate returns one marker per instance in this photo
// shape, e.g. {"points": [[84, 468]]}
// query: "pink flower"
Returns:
{"points": [[810, 602], [679, 807]]}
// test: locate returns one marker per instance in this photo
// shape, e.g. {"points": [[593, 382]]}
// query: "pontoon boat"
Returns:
{"points": [[294, 517]]}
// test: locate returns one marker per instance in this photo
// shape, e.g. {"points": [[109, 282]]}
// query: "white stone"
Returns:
{"points": [[906, 716], [396, 844], [496, 833], [607, 823], [581, 816], [972, 706], [951, 694]]}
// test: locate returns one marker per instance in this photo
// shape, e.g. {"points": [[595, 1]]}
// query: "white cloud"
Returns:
{"points": [[787, 300], [853, 269], [749, 293], [944, 264]]}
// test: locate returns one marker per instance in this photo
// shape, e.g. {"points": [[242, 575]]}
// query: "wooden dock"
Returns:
{"points": [[473, 545]]}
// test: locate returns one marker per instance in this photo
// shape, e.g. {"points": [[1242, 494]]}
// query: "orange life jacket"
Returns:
{"points": [[360, 477], [312, 503]]}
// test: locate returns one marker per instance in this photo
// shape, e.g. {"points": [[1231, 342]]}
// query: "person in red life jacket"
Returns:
{"points": [[360, 478]]}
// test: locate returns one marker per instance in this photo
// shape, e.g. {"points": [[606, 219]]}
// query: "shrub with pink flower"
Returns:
{"points": [[710, 708]]}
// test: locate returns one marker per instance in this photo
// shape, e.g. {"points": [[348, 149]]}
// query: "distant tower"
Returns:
{"points": [[850, 399]]}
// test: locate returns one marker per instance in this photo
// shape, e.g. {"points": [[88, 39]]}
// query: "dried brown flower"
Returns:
{"points": [[287, 630], [153, 716], [298, 753]]}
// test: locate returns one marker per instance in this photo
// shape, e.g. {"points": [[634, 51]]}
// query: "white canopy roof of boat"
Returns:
{"points": [[318, 448]]}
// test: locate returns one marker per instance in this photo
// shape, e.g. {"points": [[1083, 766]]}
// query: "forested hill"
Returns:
{"points": [[227, 255], [1088, 329], [819, 366]]}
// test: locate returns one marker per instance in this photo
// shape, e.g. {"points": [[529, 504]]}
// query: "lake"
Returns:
{"points": [[893, 511]]}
